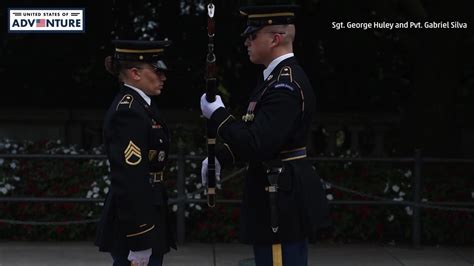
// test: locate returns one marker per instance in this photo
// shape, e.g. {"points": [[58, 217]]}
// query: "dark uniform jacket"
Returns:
{"points": [[277, 123], [135, 215]]}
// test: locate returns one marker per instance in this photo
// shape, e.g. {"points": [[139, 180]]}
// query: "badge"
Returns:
{"points": [[249, 116], [155, 124], [152, 154], [161, 156]]}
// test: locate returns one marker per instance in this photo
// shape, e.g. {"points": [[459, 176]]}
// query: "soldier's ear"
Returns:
{"points": [[135, 73], [276, 39]]}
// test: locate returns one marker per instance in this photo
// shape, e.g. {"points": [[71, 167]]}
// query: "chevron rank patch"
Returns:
{"points": [[132, 154]]}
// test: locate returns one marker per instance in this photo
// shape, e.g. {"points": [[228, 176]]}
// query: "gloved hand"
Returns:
{"points": [[208, 108], [204, 171], [139, 258]]}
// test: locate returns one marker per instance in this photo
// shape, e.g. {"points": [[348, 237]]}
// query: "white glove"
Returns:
{"points": [[208, 108], [204, 171], [139, 258]]}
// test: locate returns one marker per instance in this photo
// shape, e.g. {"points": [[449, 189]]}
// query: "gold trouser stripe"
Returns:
{"points": [[277, 256], [280, 14], [211, 141], [119, 50]]}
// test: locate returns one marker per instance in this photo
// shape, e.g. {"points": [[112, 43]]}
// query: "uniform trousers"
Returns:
{"points": [[121, 260], [285, 254]]}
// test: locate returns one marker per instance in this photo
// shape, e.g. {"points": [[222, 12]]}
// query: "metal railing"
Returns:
{"points": [[181, 200]]}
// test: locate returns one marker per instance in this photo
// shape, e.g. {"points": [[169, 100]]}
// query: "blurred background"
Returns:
{"points": [[394, 127]]}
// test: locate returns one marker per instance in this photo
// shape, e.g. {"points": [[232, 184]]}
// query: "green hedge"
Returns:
{"points": [[89, 178]]}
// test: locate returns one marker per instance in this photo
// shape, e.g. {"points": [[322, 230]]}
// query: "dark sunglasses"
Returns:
{"points": [[155, 69]]}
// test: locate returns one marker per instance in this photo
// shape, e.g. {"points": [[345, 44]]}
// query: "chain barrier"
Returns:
{"points": [[242, 170], [398, 202]]}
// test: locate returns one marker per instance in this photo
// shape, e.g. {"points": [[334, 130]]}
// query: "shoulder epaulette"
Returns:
{"points": [[285, 74], [285, 79], [126, 100]]}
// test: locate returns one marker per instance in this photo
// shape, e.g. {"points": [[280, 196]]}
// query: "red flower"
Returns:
{"points": [[364, 212], [232, 233], [201, 226], [59, 229], [379, 230], [364, 173], [235, 214], [67, 206]]}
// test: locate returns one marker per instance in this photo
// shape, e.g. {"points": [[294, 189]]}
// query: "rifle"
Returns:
{"points": [[211, 88]]}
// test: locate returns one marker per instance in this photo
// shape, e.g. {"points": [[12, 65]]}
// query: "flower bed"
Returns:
{"points": [[90, 179]]}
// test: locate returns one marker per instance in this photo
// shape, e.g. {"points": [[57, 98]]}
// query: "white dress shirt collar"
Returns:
{"points": [[274, 63], [144, 96]]}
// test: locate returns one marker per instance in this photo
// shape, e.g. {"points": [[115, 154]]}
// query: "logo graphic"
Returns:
{"points": [[40, 23], [46, 20]]}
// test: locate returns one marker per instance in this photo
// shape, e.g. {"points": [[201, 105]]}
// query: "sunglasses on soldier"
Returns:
{"points": [[155, 69]]}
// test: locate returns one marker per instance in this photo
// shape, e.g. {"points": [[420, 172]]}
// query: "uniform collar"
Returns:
{"points": [[274, 63], [141, 93]]}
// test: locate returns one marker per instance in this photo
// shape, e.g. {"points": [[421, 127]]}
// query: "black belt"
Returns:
{"points": [[156, 177], [294, 154]]}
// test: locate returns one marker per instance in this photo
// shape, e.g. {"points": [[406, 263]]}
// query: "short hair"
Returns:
{"points": [[115, 67]]}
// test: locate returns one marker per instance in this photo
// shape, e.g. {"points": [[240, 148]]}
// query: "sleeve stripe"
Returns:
{"points": [[142, 232], [223, 122], [302, 96], [231, 153]]}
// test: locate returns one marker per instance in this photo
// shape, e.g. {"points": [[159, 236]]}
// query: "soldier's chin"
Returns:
{"points": [[156, 92]]}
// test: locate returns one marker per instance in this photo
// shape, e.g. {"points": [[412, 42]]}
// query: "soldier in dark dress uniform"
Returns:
{"points": [[135, 225], [283, 200]]}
